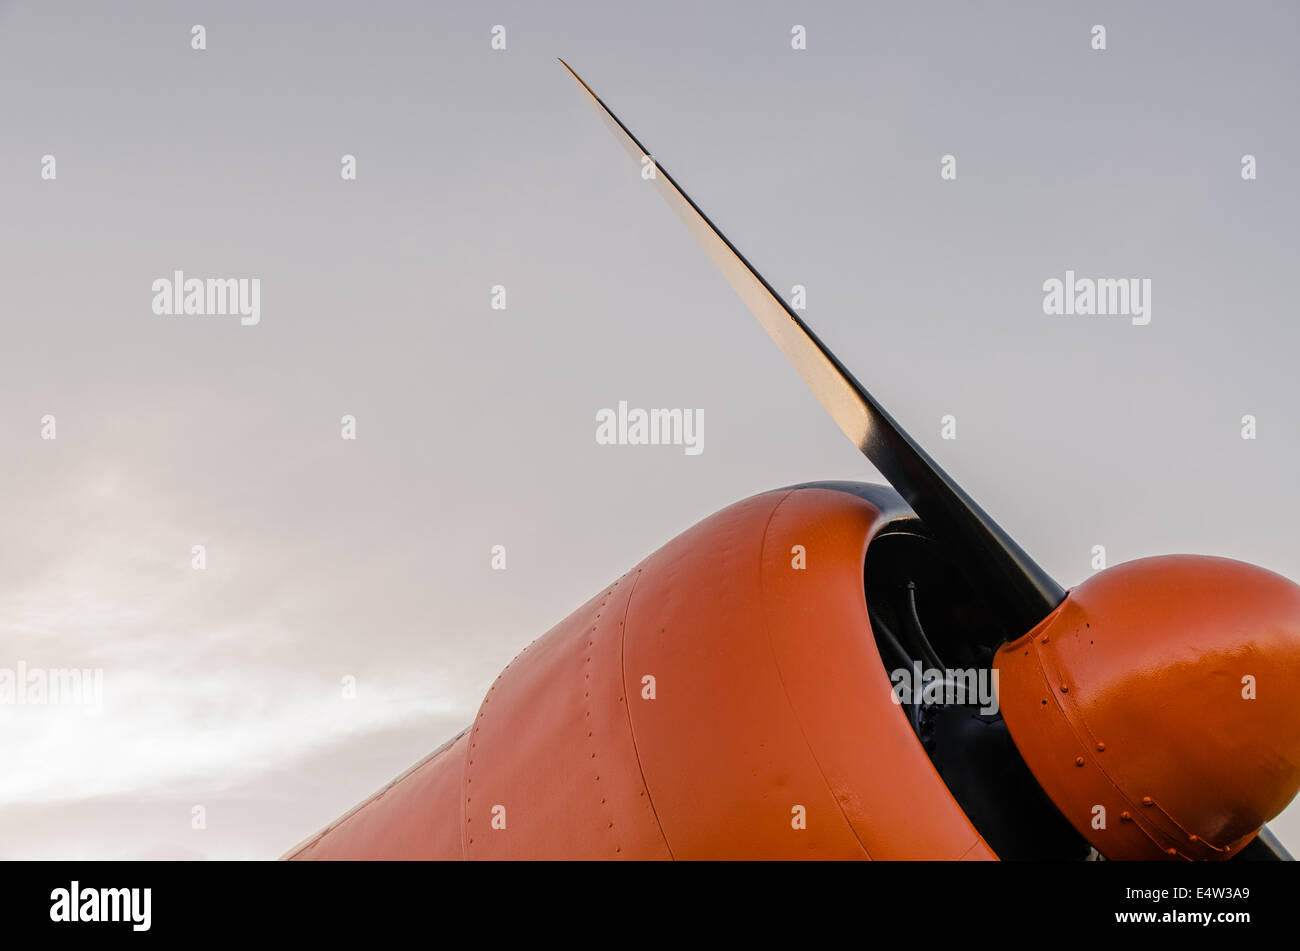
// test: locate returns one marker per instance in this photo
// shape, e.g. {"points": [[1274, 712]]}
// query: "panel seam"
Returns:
{"points": [[631, 729], [767, 632]]}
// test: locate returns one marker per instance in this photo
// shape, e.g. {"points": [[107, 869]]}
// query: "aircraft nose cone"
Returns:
{"points": [[1159, 705]]}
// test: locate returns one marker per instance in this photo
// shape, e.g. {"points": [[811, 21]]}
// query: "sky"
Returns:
{"points": [[348, 618]]}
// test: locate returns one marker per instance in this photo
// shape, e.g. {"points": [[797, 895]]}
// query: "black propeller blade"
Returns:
{"points": [[1010, 577]]}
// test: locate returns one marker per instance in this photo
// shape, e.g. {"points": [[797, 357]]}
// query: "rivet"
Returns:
{"points": [[1078, 761], [1148, 801], [1101, 747]]}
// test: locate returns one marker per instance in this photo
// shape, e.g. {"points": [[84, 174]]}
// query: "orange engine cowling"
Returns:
{"points": [[723, 699]]}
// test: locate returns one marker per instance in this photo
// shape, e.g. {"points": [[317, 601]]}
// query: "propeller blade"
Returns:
{"points": [[1026, 591], [1265, 847]]}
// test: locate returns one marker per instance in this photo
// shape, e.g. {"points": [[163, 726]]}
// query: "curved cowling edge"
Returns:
{"points": [[722, 700]]}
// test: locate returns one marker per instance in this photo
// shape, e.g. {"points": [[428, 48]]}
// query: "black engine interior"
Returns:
{"points": [[924, 610]]}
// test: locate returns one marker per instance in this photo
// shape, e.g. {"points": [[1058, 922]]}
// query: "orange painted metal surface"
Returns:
{"points": [[715, 702], [1165, 691], [416, 816]]}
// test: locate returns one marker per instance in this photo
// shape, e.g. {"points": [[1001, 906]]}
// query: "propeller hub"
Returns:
{"points": [[1159, 705]]}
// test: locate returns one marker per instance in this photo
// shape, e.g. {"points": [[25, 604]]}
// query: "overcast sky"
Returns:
{"points": [[370, 558]]}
